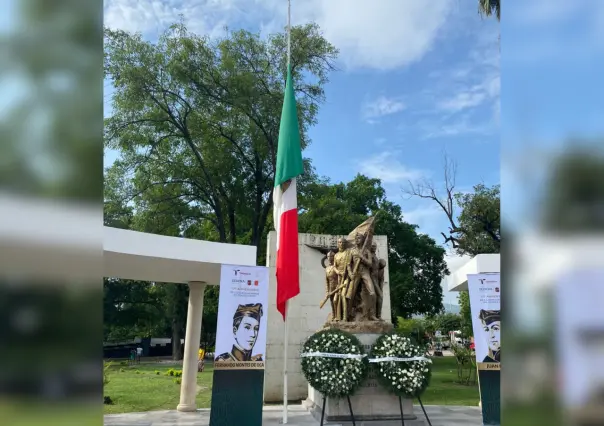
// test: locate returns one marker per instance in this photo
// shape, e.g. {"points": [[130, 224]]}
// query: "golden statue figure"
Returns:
{"points": [[331, 286], [340, 266], [377, 275], [361, 274], [343, 264]]}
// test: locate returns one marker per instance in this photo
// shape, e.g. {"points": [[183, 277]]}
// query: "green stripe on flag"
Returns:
{"points": [[289, 151]]}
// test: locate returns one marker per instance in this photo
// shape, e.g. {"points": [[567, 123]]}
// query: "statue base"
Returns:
{"points": [[360, 327], [371, 401]]}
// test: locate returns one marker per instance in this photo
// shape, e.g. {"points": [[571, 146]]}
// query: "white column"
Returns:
{"points": [[188, 387]]}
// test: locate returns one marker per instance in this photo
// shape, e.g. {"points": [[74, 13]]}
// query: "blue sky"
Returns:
{"points": [[415, 81], [393, 109], [420, 78]]}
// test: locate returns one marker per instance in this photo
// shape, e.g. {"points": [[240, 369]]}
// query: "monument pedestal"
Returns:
{"points": [[371, 401]]}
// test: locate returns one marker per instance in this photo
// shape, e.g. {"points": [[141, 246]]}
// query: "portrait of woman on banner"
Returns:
{"points": [[491, 333], [246, 327]]}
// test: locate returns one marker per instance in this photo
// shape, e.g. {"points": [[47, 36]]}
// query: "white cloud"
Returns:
{"points": [[151, 17], [471, 82], [386, 167], [382, 35], [381, 107], [463, 100], [455, 127], [473, 96], [423, 216], [462, 91]]}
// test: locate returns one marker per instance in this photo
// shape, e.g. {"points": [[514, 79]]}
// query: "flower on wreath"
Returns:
{"points": [[408, 379], [334, 376]]}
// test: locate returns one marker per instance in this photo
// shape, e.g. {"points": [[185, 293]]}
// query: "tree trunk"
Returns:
{"points": [[176, 345]]}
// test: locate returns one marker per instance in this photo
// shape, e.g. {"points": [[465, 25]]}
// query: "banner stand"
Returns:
{"points": [[238, 381], [485, 305]]}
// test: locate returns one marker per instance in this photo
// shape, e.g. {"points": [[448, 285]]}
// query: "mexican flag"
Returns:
{"points": [[285, 210]]}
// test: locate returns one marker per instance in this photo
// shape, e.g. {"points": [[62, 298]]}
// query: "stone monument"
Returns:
{"points": [[304, 315], [354, 283]]}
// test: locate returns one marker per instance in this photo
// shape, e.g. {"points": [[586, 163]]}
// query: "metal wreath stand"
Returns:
{"points": [[400, 403], [349, 407]]}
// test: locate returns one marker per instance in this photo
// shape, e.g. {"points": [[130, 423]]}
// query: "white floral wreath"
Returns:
{"points": [[400, 365], [333, 363]]}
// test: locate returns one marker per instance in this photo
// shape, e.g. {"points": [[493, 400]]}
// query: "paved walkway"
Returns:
{"points": [[298, 416]]}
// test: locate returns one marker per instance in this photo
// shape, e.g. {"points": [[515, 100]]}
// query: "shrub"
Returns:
{"points": [[466, 364], [107, 400], [106, 367], [414, 329], [157, 372], [171, 372], [178, 381]]}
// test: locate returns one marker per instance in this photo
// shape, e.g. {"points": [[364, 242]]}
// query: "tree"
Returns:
{"points": [[447, 322], [130, 309], [476, 229], [466, 314], [416, 262], [489, 8], [479, 220], [196, 122], [414, 328]]}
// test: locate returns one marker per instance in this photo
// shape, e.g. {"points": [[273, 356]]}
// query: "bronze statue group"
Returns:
{"points": [[354, 279]]}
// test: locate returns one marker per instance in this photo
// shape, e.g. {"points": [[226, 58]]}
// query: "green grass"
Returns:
{"points": [[27, 412], [147, 391], [140, 388], [444, 389]]}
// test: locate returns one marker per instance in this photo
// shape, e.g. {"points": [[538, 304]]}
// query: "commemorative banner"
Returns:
{"points": [[240, 351], [485, 305]]}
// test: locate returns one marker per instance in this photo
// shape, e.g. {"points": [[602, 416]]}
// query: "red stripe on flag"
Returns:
{"points": [[288, 277]]}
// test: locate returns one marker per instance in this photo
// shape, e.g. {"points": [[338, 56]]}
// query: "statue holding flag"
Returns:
{"points": [[358, 294], [361, 273]]}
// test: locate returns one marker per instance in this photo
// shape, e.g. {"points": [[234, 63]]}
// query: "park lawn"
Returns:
{"points": [[27, 412], [147, 391], [140, 388], [444, 389]]}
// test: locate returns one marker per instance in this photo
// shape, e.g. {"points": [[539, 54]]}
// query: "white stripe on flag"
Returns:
{"points": [[282, 202]]}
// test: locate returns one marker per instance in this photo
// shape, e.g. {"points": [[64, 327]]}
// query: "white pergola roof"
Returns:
{"points": [[150, 257], [482, 263]]}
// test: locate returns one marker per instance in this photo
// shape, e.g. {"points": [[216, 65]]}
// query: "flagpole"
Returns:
{"points": [[285, 344], [285, 334], [289, 32]]}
